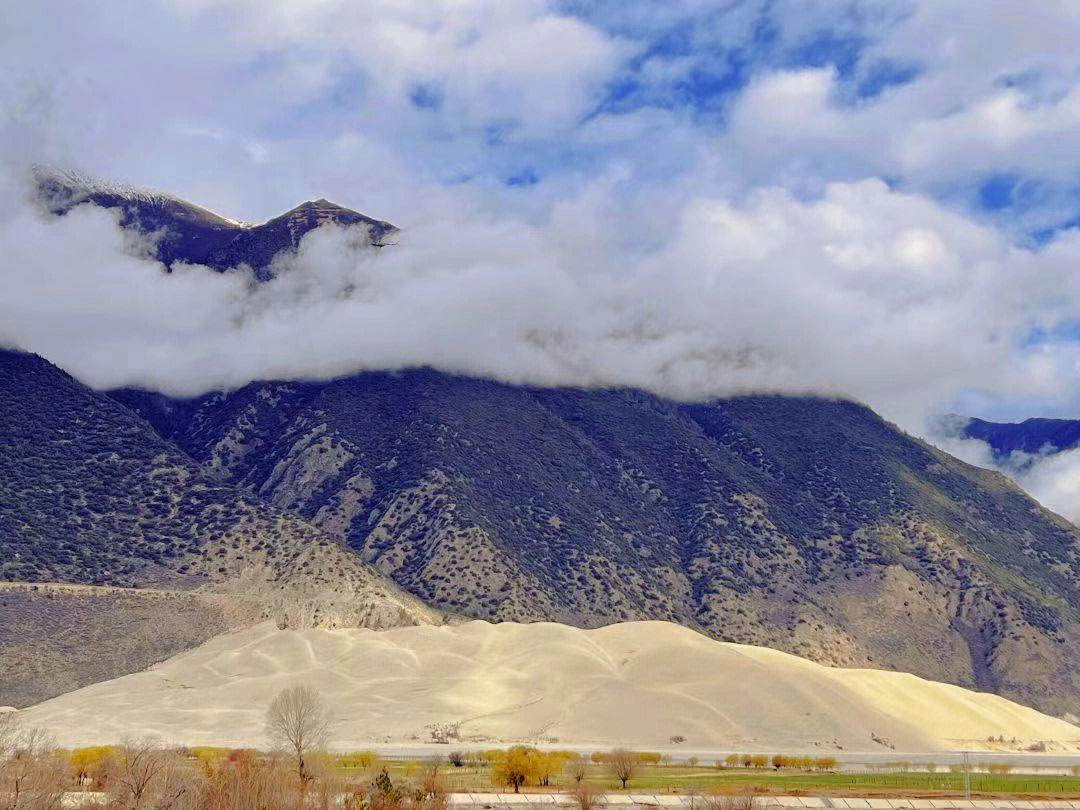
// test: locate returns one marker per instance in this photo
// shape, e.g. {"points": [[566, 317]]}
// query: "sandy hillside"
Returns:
{"points": [[637, 683]]}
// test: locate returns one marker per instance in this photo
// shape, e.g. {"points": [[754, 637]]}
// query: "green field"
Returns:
{"points": [[680, 779]]}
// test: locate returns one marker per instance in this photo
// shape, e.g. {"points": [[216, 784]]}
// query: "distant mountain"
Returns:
{"points": [[181, 231], [808, 525], [1032, 436], [91, 495]]}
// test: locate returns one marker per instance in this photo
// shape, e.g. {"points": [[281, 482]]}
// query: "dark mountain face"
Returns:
{"points": [[92, 497], [181, 231], [258, 245], [805, 524], [1033, 436]]}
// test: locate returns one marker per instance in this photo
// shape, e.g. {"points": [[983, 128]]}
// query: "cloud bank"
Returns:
{"points": [[864, 292]]}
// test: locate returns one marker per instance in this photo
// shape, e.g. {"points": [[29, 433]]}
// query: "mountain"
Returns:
{"points": [[180, 231], [804, 524], [1032, 436], [91, 496]]}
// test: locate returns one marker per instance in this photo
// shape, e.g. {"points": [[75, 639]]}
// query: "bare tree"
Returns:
{"points": [[433, 789], [576, 769], [299, 722], [622, 764], [141, 761], [716, 801], [174, 787], [32, 772], [10, 729], [585, 797]]}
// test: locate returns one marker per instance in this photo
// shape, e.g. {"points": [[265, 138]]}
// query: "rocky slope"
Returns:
{"points": [[809, 525], [90, 494]]}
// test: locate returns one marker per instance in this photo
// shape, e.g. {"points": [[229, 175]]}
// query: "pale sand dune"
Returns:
{"points": [[637, 683]]}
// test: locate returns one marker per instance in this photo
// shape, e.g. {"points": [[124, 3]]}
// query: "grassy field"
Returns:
{"points": [[681, 778]]}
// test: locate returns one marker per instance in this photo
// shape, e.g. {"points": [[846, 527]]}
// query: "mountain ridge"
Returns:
{"points": [[179, 231]]}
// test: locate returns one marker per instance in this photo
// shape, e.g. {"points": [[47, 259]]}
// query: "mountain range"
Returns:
{"points": [[806, 524]]}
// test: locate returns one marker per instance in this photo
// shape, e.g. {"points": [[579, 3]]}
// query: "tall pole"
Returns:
{"points": [[967, 778]]}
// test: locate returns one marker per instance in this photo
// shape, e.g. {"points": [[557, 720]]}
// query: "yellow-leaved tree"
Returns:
{"points": [[520, 766]]}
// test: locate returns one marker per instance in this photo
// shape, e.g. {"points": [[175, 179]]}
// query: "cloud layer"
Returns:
{"points": [[864, 292]]}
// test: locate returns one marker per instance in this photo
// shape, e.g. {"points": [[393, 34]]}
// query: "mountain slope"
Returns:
{"points": [[90, 494], [805, 524], [542, 682], [180, 231]]}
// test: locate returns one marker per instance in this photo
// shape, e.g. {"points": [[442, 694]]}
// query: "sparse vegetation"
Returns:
{"points": [[585, 796], [143, 774]]}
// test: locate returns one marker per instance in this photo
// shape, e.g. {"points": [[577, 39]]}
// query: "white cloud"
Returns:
{"points": [[995, 92], [866, 292], [490, 62]]}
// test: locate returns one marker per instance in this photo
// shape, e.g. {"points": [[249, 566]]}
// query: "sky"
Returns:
{"points": [[878, 200]]}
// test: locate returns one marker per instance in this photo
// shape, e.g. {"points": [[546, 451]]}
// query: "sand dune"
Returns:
{"points": [[638, 683]]}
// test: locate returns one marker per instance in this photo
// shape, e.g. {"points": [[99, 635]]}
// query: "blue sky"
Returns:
{"points": [[433, 84]]}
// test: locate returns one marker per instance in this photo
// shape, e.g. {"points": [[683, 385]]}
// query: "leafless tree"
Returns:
{"points": [[9, 731], [175, 787], [32, 772], [622, 764], [716, 801], [576, 769], [585, 797], [299, 721], [433, 789], [141, 761]]}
